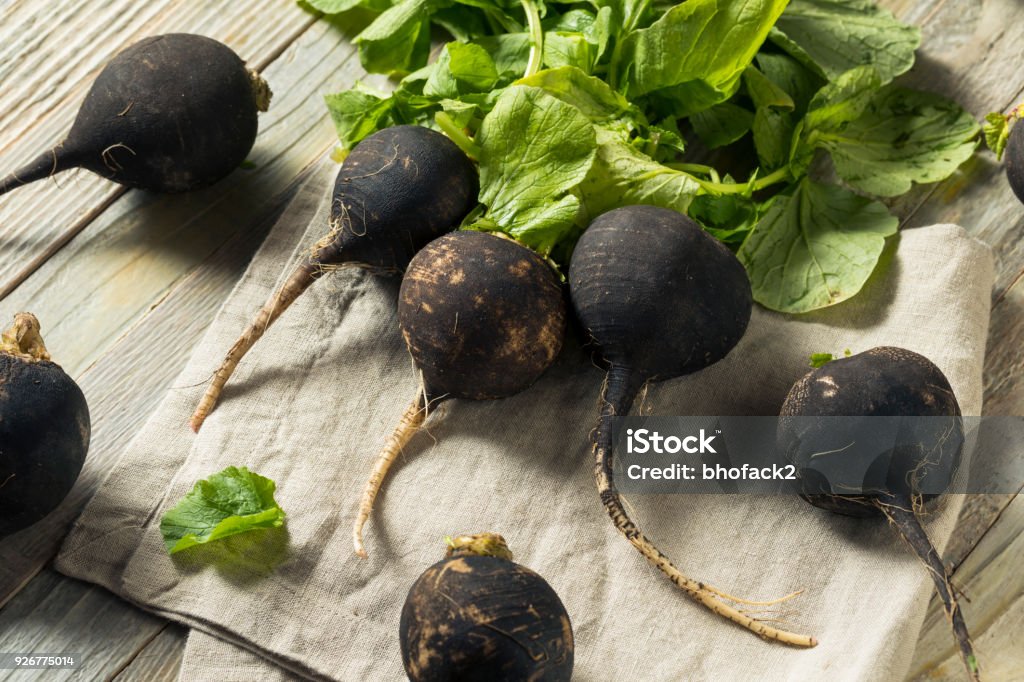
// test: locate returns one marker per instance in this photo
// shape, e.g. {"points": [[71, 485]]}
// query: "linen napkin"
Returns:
{"points": [[313, 402]]}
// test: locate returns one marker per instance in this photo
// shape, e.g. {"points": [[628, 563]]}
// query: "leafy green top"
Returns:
{"points": [[575, 108], [227, 503]]}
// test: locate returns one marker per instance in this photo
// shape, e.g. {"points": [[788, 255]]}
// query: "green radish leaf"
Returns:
{"points": [[357, 114], [821, 359], [773, 137], [592, 96], [834, 36], [997, 133], [623, 175], [233, 501], [694, 55], [796, 80], [399, 39], [728, 218], [904, 136], [722, 124], [461, 68], [814, 247], [833, 108], [764, 92], [567, 49], [534, 151]]}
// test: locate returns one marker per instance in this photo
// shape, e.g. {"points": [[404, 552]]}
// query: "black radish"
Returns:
{"points": [[479, 616], [44, 428], [482, 317], [171, 113], [1015, 159], [881, 382], [661, 299], [399, 188]]}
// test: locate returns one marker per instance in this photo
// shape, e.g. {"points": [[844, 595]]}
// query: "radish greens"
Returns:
{"points": [[774, 124]]}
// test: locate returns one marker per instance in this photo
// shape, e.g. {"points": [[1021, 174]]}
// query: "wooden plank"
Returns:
{"points": [[158, 661], [134, 254], [994, 585], [49, 54], [57, 615]]}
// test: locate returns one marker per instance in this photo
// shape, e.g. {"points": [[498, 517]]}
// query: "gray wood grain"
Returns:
{"points": [[49, 54], [159, 660], [57, 615]]}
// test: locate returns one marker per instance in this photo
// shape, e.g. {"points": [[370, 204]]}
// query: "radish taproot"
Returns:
{"points": [[661, 299], [881, 382], [396, 191], [482, 317], [44, 428], [171, 113], [477, 615]]}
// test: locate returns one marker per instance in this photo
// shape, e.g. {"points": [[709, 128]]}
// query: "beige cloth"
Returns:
{"points": [[313, 402]]}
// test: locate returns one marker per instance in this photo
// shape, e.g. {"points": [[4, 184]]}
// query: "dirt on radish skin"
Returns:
{"points": [[1015, 159], [661, 299], [882, 382], [171, 113], [477, 615], [44, 428], [482, 317], [398, 189]]}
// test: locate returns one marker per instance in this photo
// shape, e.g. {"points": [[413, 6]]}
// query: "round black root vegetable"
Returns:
{"points": [[482, 317], [1015, 159], [171, 113], [399, 188], [44, 428], [881, 382], [662, 299], [478, 616]]}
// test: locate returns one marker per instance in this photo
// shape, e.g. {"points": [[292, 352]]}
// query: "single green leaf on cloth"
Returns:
{"points": [[233, 501], [815, 247], [623, 175], [534, 150], [694, 55], [904, 136], [997, 132], [834, 36], [357, 114], [722, 124]]}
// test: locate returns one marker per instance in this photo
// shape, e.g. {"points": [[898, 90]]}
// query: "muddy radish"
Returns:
{"points": [[398, 189], [482, 317], [661, 299], [44, 428], [171, 113], [477, 615], [881, 382]]}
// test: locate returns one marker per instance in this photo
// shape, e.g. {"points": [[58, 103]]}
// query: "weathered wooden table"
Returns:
{"points": [[125, 282]]}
